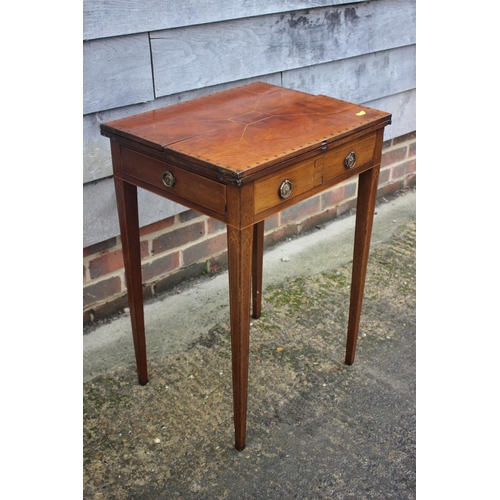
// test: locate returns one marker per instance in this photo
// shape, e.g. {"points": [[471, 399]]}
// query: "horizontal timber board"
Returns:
{"points": [[200, 56], [116, 72], [359, 79], [107, 18], [403, 109]]}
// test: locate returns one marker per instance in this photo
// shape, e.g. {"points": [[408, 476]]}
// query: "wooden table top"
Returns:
{"points": [[241, 131]]}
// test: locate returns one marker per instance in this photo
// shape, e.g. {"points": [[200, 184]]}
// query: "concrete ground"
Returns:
{"points": [[316, 427]]}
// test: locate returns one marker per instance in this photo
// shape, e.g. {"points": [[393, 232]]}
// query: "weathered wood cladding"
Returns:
{"points": [[107, 18], [120, 71], [360, 51], [116, 72], [359, 79], [233, 50]]}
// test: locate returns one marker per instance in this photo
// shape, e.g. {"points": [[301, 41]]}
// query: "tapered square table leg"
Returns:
{"points": [[126, 200], [240, 268], [367, 196]]}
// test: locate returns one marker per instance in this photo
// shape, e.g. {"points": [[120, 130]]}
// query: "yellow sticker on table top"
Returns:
{"points": [[361, 113]]}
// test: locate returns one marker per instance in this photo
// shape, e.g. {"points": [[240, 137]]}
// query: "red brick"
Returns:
{"points": [[111, 261], [338, 194], [205, 249], [160, 225], [189, 215], [385, 175], [178, 237], [412, 149], [408, 167], [346, 206], [280, 234], [301, 210], [101, 290], [214, 225], [394, 156], [105, 264], [161, 265], [99, 247], [389, 188], [317, 220], [103, 310], [144, 249]]}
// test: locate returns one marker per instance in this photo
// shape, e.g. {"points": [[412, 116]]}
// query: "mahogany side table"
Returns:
{"points": [[240, 156]]}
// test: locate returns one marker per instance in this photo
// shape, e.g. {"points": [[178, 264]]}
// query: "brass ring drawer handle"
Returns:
{"points": [[350, 160], [286, 188], [168, 179]]}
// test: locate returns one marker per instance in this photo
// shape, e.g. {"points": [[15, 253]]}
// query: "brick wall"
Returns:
{"points": [[190, 244]]}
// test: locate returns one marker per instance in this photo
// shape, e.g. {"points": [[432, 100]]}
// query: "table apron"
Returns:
{"points": [[313, 191], [308, 177]]}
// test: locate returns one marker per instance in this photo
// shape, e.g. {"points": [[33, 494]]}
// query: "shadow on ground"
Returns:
{"points": [[316, 427]]}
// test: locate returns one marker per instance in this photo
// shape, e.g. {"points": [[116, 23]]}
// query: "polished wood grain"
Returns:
{"points": [[228, 155], [367, 196], [243, 131], [239, 245], [187, 186]]}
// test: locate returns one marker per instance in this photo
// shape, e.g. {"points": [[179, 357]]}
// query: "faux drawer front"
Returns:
{"points": [[186, 185], [311, 172]]}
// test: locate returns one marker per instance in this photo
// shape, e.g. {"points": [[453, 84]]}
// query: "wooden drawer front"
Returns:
{"points": [[312, 172], [333, 161], [267, 189], [187, 185]]}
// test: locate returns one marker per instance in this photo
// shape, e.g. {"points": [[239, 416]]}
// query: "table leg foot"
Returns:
{"points": [[367, 196], [240, 446]]}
